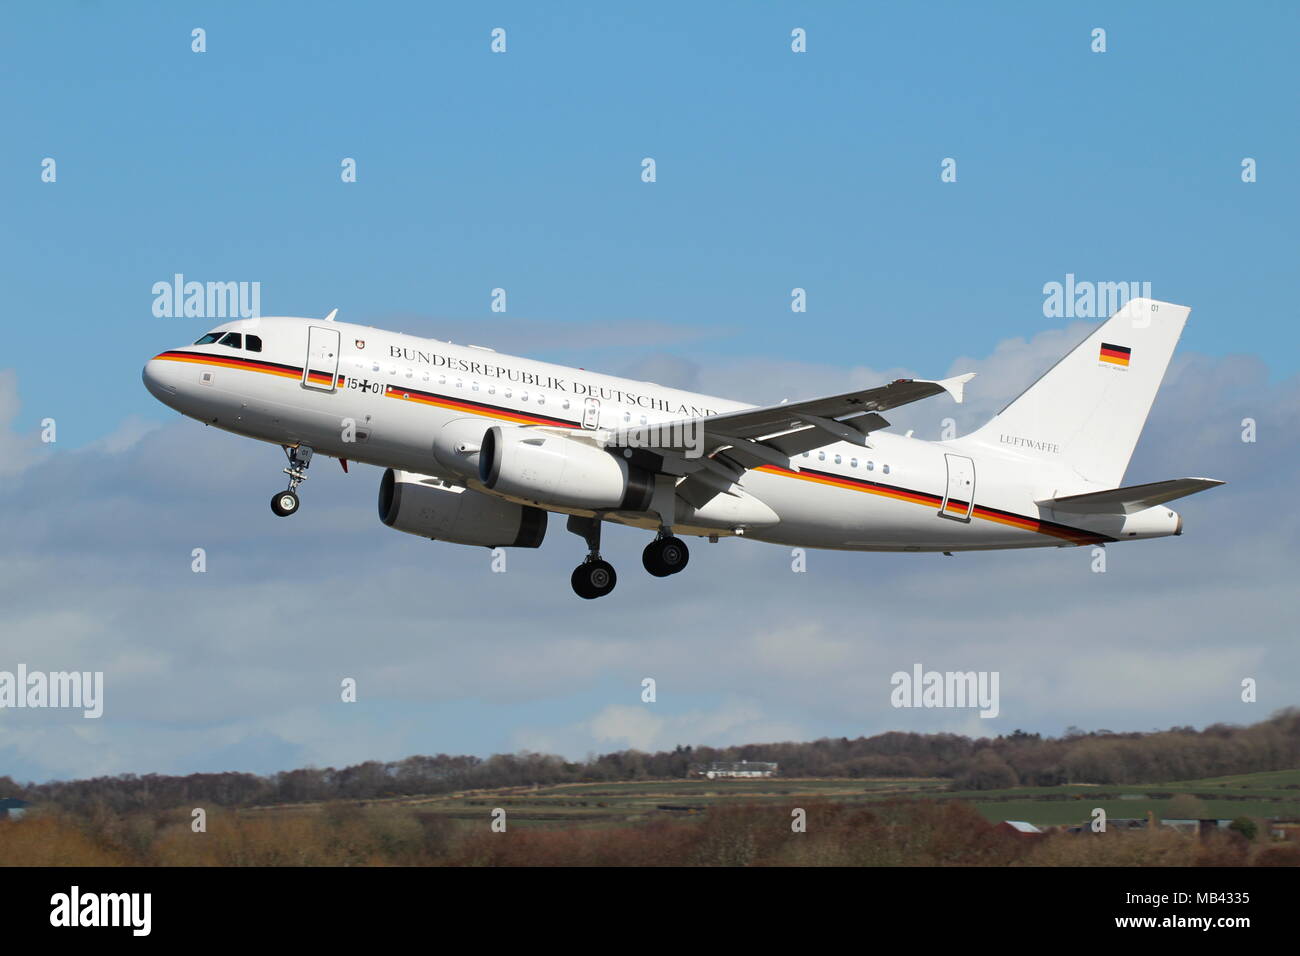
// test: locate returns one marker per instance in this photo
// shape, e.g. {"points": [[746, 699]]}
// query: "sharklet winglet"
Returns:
{"points": [[954, 386]]}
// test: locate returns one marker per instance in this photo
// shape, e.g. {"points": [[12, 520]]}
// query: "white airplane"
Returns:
{"points": [[480, 446]]}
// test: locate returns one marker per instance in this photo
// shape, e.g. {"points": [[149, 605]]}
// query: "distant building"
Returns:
{"points": [[743, 768], [1285, 829], [1202, 827], [11, 808], [1019, 828]]}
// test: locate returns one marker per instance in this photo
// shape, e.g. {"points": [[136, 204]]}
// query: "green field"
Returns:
{"points": [[1263, 795]]}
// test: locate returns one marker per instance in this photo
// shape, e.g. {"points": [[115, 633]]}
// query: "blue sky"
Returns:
{"points": [[521, 170], [775, 170]]}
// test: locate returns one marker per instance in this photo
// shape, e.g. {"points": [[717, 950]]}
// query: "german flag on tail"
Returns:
{"points": [[1114, 354]]}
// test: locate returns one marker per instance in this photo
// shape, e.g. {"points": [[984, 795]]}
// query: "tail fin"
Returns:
{"points": [[1088, 409]]}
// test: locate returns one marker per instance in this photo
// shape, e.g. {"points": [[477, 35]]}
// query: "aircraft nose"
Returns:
{"points": [[157, 377]]}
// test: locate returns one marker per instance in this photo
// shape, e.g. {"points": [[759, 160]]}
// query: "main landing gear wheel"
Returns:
{"points": [[285, 503], [665, 556], [594, 579]]}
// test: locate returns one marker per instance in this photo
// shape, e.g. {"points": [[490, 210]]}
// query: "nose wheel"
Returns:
{"points": [[286, 502], [665, 555]]}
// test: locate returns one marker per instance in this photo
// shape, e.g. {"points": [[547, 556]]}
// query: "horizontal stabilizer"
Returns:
{"points": [[1134, 498]]}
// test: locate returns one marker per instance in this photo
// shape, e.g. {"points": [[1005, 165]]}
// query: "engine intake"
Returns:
{"points": [[430, 508], [559, 471]]}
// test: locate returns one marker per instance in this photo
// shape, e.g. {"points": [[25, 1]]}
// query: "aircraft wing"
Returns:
{"points": [[1132, 499], [724, 446]]}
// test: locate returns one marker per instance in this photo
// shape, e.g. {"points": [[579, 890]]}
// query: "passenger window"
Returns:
{"points": [[474, 386], [541, 399], [442, 380], [523, 396], [253, 343], [886, 469], [492, 389], [821, 456], [232, 340], [375, 367], [566, 403], [209, 338], [853, 463], [410, 372], [871, 466], [507, 393]]}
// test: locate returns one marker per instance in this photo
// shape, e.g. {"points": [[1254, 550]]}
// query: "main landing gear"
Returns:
{"points": [[285, 503], [595, 577], [665, 555]]}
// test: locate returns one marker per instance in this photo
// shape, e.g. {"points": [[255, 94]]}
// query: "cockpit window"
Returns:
{"points": [[232, 340], [253, 343], [209, 338]]}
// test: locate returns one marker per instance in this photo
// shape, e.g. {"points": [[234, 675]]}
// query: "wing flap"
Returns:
{"points": [[796, 427]]}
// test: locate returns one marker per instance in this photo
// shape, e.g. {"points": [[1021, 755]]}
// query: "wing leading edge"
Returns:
{"points": [[725, 446]]}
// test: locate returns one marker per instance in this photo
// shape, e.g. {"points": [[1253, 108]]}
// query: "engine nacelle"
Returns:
{"points": [[420, 504], [456, 446], [559, 471]]}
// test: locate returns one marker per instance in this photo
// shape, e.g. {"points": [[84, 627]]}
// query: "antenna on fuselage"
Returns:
{"points": [[330, 317]]}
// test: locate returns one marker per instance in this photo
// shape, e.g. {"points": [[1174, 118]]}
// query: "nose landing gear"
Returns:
{"points": [[285, 503]]}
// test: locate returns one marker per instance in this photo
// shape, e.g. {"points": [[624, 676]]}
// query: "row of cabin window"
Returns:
{"points": [[507, 392], [853, 462], [233, 340], [627, 416]]}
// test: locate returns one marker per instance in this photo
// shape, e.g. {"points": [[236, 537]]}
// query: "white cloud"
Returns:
{"points": [[19, 447], [240, 667]]}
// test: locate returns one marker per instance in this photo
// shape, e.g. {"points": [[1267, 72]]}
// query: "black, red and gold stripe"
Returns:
{"points": [[1009, 518], [247, 365], [1114, 354]]}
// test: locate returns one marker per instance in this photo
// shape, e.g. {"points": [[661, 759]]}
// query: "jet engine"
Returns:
{"points": [[555, 470], [431, 508]]}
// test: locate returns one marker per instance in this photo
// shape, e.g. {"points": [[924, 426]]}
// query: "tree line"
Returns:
{"points": [[1019, 758]]}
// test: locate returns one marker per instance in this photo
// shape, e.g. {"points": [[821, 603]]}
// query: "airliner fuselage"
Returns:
{"points": [[564, 438]]}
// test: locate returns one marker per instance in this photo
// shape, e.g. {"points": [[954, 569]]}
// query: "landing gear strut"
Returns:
{"points": [[595, 577], [665, 555], [285, 503]]}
